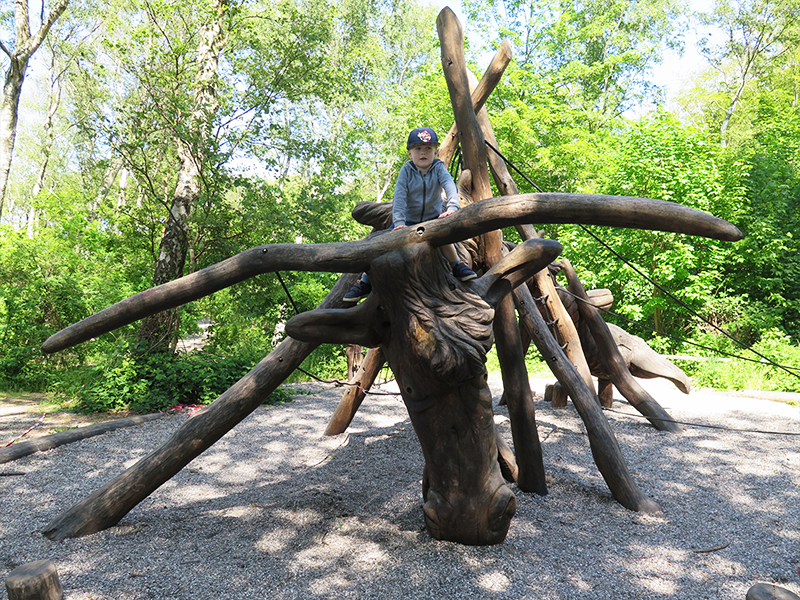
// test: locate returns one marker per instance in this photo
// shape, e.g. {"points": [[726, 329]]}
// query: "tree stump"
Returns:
{"points": [[34, 581], [556, 395]]}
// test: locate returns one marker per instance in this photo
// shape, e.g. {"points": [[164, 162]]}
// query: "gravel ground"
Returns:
{"points": [[275, 510]]}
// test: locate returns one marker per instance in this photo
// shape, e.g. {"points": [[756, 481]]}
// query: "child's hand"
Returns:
{"points": [[446, 213], [398, 226]]}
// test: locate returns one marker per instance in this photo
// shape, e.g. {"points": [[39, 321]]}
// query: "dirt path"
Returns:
{"points": [[19, 412]]}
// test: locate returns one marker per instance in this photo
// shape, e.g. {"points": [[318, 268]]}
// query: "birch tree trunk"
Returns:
{"points": [[158, 333], [25, 45]]}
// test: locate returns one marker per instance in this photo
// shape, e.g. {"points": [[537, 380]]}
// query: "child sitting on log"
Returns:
{"points": [[418, 198]]}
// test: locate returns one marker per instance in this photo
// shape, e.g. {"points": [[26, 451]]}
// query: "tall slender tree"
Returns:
{"points": [[25, 43], [756, 33], [158, 333]]}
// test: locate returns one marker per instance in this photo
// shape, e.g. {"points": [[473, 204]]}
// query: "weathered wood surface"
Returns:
{"points": [[642, 361], [36, 580], [352, 398], [436, 342], [61, 438], [106, 506], [605, 449], [479, 93], [355, 257], [517, 391], [615, 365], [355, 355]]}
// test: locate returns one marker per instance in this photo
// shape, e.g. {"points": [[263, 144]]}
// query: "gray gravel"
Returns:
{"points": [[275, 510]]}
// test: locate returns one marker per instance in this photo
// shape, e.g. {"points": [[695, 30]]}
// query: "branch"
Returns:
{"points": [[36, 41]]}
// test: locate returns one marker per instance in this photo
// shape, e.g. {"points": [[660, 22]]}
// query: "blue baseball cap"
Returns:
{"points": [[422, 135]]}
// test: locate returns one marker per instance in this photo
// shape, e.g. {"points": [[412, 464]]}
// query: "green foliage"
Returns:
{"points": [[736, 374], [659, 158], [149, 383], [39, 294]]}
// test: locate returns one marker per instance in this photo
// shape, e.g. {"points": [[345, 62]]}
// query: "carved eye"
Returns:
{"points": [[420, 230]]}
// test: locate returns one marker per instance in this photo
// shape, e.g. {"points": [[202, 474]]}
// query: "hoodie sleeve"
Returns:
{"points": [[449, 187], [400, 201]]}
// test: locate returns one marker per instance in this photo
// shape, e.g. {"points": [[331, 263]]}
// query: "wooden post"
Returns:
{"points": [[34, 581], [556, 395], [480, 92], [564, 328], [354, 395], [605, 391], [354, 358], [509, 345], [614, 363]]}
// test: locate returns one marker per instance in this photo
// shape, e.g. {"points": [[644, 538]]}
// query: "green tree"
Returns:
{"points": [[18, 50], [660, 158], [757, 33]]}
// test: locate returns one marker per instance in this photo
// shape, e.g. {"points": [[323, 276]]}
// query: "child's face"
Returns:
{"points": [[422, 155]]}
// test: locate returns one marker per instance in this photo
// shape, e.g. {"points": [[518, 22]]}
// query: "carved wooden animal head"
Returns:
{"points": [[435, 333]]}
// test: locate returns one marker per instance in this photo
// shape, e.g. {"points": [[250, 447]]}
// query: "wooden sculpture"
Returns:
{"points": [[433, 330]]}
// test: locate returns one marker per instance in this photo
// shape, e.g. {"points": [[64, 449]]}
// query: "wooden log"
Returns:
{"points": [[605, 392], [563, 326], [605, 449], [106, 506], [615, 365], [517, 391], [48, 442], [506, 458], [355, 257], [354, 395], [354, 356], [479, 93], [556, 394], [36, 580]]}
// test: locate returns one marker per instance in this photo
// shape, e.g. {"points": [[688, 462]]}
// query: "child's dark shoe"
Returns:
{"points": [[357, 292], [462, 272]]}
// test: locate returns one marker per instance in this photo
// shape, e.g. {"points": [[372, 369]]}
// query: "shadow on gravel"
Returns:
{"points": [[275, 510]]}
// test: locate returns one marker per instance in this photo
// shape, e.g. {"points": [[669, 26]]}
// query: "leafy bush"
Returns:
{"points": [[148, 383], [736, 374]]}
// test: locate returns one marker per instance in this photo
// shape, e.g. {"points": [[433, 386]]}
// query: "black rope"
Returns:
{"points": [[456, 163], [669, 294], [337, 382], [285, 289], [619, 412], [670, 335], [510, 164], [340, 383], [684, 305]]}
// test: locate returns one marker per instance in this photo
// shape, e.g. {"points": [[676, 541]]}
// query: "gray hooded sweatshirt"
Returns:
{"points": [[418, 197]]}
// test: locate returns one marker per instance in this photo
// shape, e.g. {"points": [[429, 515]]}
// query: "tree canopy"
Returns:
{"points": [[291, 112]]}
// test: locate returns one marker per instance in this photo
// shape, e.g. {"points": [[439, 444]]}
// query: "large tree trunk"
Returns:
{"points": [[159, 333], [25, 45]]}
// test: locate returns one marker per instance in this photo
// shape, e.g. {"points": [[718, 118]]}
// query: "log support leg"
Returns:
{"points": [[351, 400], [614, 363], [106, 506], [605, 449], [605, 391]]}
